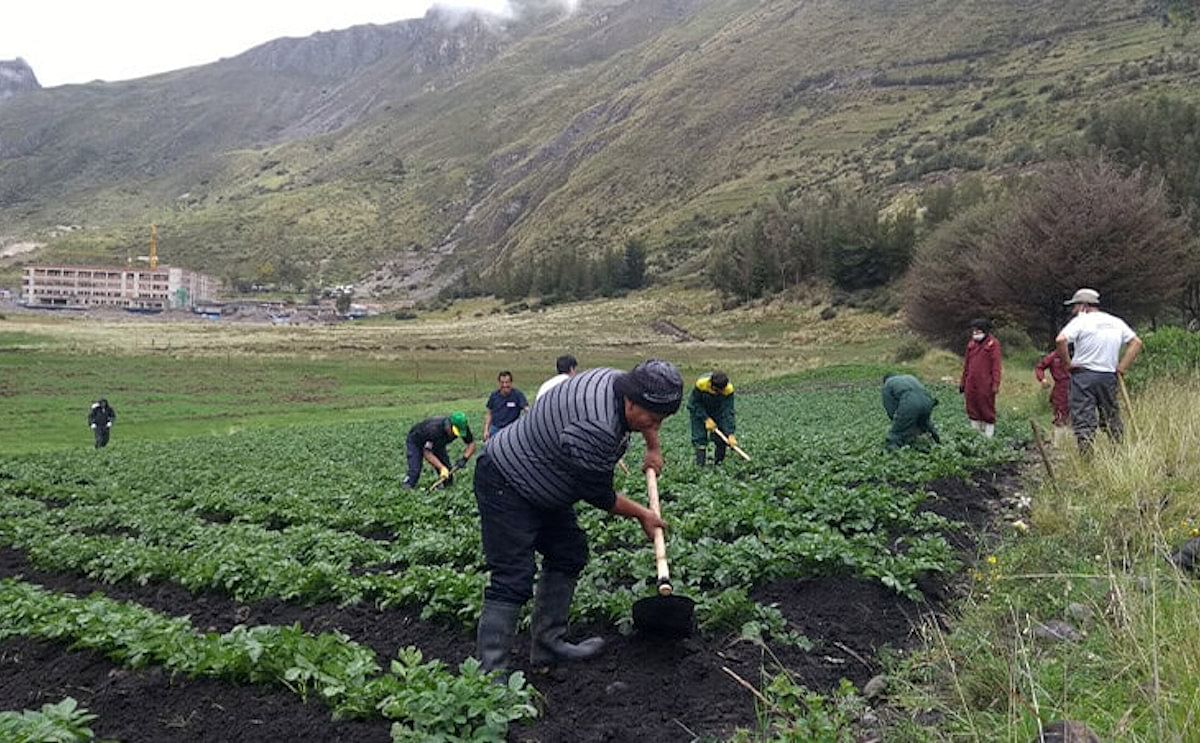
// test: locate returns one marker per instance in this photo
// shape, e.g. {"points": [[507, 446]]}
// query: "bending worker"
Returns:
{"points": [[527, 483], [711, 407], [909, 407], [427, 441]]}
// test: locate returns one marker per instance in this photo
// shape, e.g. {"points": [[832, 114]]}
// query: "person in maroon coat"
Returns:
{"points": [[1061, 375], [981, 377]]}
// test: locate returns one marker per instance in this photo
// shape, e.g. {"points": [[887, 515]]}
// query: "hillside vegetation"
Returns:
{"points": [[410, 154]]}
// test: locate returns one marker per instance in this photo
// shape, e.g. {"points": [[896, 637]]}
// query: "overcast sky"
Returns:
{"points": [[77, 41]]}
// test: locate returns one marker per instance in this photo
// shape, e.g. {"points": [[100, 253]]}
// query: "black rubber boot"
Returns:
{"points": [[718, 451], [700, 455], [497, 627], [552, 606]]}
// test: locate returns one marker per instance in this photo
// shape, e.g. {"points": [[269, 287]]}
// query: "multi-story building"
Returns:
{"points": [[80, 287]]}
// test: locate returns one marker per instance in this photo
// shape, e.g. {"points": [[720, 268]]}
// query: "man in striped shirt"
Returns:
{"points": [[526, 486]]}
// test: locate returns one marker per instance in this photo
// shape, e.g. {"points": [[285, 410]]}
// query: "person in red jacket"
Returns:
{"points": [[1061, 375], [981, 377]]}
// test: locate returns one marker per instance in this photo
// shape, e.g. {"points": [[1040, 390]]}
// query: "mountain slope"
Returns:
{"points": [[405, 154]]}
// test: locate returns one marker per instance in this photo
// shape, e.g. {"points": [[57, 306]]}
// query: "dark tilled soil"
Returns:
{"points": [[383, 631], [642, 689], [973, 504], [645, 689], [148, 705]]}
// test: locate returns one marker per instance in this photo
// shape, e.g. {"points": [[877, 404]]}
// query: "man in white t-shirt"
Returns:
{"points": [[1098, 337], [565, 365]]}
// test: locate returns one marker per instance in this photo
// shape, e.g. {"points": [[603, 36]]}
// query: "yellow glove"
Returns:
{"points": [[732, 440], [710, 425], [444, 472]]}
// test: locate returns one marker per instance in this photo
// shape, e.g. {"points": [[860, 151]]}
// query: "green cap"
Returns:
{"points": [[459, 421]]}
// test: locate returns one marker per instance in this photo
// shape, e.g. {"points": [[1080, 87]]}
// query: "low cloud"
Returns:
{"points": [[455, 12]]}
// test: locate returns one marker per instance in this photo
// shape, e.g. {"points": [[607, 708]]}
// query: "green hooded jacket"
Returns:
{"points": [[909, 407]]}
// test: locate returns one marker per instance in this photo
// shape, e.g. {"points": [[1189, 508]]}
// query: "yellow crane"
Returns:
{"points": [[153, 247], [152, 259]]}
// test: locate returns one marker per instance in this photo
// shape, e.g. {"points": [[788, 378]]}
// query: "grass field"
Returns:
{"points": [[177, 379]]}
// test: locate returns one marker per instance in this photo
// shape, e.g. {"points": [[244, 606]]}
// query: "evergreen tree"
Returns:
{"points": [[634, 268]]}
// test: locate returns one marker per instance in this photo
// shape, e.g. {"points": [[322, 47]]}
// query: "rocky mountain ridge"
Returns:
{"points": [[16, 77]]}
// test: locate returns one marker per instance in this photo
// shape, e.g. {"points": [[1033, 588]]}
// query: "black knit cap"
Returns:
{"points": [[981, 323], [719, 380], [655, 385]]}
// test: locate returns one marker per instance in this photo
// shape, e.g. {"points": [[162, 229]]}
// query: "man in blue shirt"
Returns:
{"points": [[504, 406]]}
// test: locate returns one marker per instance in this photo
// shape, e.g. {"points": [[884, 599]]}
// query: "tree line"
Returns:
{"points": [[837, 235], [1123, 218], [564, 274]]}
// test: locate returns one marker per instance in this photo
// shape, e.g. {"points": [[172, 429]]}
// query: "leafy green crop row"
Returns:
{"points": [[64, 722], [424, 698], [821, 496]]}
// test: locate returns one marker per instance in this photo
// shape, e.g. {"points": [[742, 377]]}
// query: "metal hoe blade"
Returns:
{"points": [[665, 614]]}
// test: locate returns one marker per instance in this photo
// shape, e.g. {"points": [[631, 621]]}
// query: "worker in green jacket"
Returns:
{"points": [[711, 407], [908, 406]]}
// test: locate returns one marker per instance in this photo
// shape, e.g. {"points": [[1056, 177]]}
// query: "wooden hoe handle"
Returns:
{"points": [[737, 449], [1128, 405], [660, 542]]}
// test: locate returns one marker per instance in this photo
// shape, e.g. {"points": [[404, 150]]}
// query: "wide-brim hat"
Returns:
{"points": [[1085, 296]]}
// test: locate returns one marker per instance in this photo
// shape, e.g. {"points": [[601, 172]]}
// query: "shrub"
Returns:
{"points": [[943, 291], [1086, 224], [1169, 352], [912, 348], [1079, 224], [1014, 339]]}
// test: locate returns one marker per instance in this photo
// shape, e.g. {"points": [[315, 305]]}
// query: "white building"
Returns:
{"points": [[79, 287]]}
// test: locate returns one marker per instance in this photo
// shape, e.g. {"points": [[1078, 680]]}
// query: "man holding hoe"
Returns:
{"points": [[711, 408], [527, 482], [427, 442], [1095, 369]]}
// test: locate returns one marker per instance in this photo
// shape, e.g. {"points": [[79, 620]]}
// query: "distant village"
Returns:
{"points": [[169, 289]]}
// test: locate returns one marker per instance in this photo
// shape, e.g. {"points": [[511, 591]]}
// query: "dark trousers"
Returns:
{"points": [[1094, 405], [102, 433], [701, 437], [416, 457], [514, 529]]}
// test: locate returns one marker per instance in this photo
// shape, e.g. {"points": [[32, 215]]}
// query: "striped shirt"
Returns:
{"points": [[565, 449]]}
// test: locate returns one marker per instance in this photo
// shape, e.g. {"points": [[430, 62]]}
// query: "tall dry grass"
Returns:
{"points": [[1096, 557]]}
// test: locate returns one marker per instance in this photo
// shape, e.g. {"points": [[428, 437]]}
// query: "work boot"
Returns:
{"points": [[700, 456], [718, 452], [497, 627], [552, 606]]}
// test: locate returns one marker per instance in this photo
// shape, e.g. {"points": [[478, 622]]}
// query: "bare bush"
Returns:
{"points": [[1078, 224], [943, 290], [1086, 224]]}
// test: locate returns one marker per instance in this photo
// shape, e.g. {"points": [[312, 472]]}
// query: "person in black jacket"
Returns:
{"points": [[427, 442], [100, 420]]}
